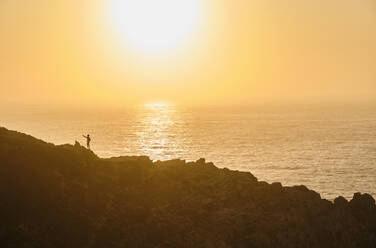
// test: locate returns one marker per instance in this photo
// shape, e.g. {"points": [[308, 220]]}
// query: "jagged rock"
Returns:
{"points": [[200, 161], [66, 196], [340, 201], [362, 200]]}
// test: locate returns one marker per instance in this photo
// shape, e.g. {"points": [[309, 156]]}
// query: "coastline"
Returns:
{"points": [[66, 196]]}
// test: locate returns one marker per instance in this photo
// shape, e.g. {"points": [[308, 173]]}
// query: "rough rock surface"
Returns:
{"points": [[65, 196]]}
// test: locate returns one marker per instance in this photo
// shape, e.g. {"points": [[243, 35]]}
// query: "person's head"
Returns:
{"points": [[88, 135]]}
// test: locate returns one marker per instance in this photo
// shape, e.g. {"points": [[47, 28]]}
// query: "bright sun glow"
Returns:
{"points": [[154, 105], [155, 25]]}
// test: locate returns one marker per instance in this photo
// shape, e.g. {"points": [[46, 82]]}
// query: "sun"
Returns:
{"points": [[155, 26]]}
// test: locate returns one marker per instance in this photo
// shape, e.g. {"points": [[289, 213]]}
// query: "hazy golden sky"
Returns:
{"points": [[70, 52]]}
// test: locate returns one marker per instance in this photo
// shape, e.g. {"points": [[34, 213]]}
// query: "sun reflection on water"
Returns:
{"points": [[159, 123], [157, 105]]}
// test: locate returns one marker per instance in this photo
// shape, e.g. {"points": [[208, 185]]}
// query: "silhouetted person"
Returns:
{"points": [[87, 137]]}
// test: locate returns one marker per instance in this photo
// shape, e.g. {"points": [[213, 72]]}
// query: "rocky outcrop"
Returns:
{"points": [[66, 196]]}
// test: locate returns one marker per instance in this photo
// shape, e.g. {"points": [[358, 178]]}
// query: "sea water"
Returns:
{"points": [[329, 148]]}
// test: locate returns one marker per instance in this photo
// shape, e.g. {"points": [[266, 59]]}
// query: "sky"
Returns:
{"points": [[87, 53]]}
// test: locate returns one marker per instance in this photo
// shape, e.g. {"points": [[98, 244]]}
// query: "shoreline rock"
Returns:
{"points": [[66, 196]]}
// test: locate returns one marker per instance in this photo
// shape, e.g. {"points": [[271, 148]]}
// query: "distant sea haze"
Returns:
{"points": [[330, 149]]}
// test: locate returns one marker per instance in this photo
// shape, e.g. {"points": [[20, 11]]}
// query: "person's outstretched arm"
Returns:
{"points": [[84, 136]]}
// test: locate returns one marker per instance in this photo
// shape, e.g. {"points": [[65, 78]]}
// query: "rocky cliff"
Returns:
{"points": [[66, 196]]}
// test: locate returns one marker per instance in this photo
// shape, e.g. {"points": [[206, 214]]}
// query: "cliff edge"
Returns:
{"points": [[66, 196]]}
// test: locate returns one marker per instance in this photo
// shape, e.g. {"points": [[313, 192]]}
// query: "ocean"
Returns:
{"points": [[329, 148]]}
